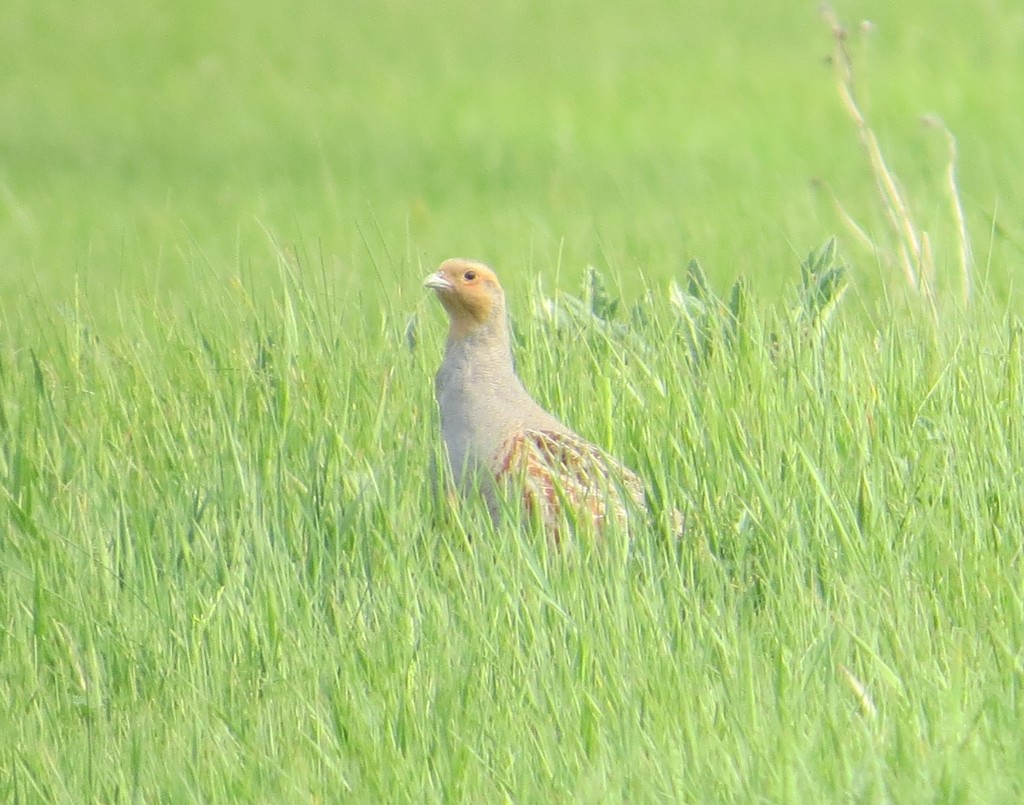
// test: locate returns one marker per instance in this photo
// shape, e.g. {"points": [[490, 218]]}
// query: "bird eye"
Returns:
{"points": [[469, 276]]}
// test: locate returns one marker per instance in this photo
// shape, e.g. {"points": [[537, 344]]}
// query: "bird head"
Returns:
{"points": [[470, 293]]}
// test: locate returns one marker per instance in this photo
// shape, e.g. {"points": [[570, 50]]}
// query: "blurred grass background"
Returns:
{"points": [[149, 148]]}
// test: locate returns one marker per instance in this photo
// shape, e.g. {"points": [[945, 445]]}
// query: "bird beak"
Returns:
{"points": [[438, 281]]}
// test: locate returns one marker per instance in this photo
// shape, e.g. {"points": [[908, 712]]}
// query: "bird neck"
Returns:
{"points": [[485, 346]]}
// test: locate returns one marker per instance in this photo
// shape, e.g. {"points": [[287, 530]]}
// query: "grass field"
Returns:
{"points": [[223, 576]]}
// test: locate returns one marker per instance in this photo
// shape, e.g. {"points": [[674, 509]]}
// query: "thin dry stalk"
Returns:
{"points": [[956, 208], [915, 256], [851, 223]]}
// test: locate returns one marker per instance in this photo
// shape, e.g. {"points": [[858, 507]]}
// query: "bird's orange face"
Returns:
{"points": [[469, 291]]}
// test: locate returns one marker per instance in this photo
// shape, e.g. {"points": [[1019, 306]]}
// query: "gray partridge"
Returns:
{"points": [[499, 441]]}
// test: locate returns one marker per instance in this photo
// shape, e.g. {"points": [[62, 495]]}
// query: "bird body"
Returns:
{"points": [[481, 401], [499, 441]]}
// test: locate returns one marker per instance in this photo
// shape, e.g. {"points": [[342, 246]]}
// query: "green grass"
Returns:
{"points": [[223, 576]]}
